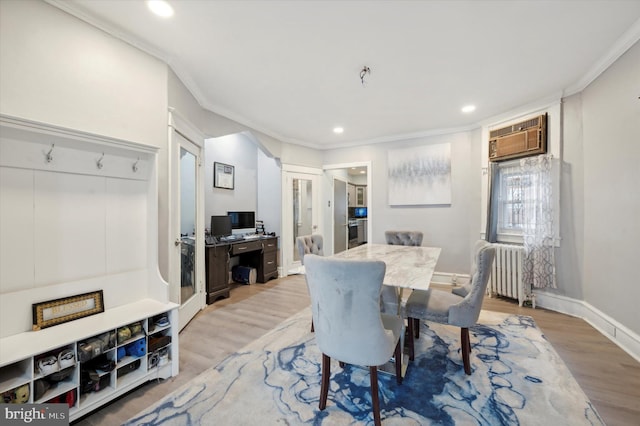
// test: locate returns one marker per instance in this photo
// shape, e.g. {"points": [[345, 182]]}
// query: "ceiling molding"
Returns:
{"points": [[624, 43], [401, 137], [73, 10]]}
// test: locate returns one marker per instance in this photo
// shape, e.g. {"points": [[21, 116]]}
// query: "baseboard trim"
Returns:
{"points": [[624, 338], [448, 278]]}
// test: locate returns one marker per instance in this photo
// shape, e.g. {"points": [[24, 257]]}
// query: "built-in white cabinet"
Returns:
{"points": [[78, 214], [95, 369]]}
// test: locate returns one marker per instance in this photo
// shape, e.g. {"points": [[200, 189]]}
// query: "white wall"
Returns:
{"points": [[570, 255], [443, 226], [59, 70], [239, 151], [269, 193], [611, 144]]}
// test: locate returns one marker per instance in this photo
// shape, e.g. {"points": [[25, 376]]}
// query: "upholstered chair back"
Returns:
{"points": [[466, 312], [309, 244], [403, 238], [345, 301], [466, 287]]}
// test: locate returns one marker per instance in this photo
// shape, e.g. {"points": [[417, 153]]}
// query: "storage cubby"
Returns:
{"points": [[88, 372], [79, 215]]}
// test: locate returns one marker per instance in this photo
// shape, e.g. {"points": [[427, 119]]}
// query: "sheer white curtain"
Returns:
{"points": [[538, 227]]}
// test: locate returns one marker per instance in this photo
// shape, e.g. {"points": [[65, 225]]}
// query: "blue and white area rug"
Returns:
{"points": [[517, 379]]}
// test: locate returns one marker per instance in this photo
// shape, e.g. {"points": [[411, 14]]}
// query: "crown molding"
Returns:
{"points": [[624, 43]]}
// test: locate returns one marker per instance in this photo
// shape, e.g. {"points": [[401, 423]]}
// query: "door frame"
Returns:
{"points": [[181, 129], [367, 164], [289, 172]]}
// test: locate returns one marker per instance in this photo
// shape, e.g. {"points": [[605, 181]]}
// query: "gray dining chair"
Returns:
{"points": [[403, 238], [390, 301], [309, 244], [447, 308], [345, 303], [464, 287]]}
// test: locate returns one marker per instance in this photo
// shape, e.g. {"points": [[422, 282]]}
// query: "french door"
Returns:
{"points": [[187, 228], [301, 211]]}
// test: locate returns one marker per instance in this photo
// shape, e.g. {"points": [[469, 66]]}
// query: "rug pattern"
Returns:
{"points": [[517, 379]]}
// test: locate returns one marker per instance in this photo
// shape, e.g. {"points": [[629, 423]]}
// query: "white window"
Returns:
{"points": [[514, 196]]}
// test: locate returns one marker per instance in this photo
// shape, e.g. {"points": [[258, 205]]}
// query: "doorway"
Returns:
{"points": [[358, 178], [186, 270], [301, 195]]}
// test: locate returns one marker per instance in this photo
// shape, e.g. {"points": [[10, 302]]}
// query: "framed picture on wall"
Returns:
{"points": [[223, 175]]}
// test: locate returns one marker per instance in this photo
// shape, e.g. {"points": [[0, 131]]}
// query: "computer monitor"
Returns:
{"points": [[220, 226], [242, 220], [360, 212]]}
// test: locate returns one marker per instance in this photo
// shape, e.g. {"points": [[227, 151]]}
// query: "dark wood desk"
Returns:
{"points": [[260, 253]]}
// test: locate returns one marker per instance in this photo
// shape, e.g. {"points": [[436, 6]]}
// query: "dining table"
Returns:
{"points": [[408, 268]]}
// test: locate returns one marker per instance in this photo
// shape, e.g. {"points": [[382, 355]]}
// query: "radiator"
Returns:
{"points": [[506, 274]]}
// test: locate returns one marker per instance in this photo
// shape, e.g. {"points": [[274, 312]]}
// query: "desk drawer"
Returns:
{"points": [[270, 262], [248, 246], [268, 268], [270, 245]]}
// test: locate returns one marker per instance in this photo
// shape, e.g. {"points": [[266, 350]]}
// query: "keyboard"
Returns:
{"points": [[251, 237]]}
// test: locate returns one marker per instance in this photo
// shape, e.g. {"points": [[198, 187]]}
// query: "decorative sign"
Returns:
{"points": [[223, 176], [58, 311]]}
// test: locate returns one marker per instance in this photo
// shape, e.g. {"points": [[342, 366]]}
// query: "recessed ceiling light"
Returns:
{"points": [[160, 8], [362, 172], [338, 130], [468, 108]]}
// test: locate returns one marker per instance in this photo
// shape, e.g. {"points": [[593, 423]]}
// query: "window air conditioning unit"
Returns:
{"points": [[518, 140]]}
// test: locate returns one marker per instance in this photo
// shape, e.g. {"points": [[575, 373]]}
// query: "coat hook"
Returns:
{"points": [[99, 162], [135, 165], [49, 156]]}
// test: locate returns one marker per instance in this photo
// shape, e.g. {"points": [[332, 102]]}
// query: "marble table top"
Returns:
{"points": [[407, 266]]}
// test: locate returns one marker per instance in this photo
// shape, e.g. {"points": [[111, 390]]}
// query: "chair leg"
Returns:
{"points": [[324, 387], [410, 336], [398, 359], [416, 327], [312, 329], [375, 401], [466, 349]]}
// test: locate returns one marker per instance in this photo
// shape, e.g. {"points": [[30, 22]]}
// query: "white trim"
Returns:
{"points": [[624, 43], [51, 133], [186, 128], [292, 168], [624, 338], [447, 278]]}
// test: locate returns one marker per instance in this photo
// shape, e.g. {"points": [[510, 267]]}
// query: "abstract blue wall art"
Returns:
{"points": [[420, 175]]}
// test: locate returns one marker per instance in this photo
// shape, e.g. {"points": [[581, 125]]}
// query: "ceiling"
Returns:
{"points": [[291, 69]]}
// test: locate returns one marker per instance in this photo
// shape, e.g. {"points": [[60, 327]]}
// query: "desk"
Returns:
{"points": [[408, 267], [260, 253]]}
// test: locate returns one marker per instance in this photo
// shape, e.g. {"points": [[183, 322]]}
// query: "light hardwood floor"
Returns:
{"points": [[609, 377]]}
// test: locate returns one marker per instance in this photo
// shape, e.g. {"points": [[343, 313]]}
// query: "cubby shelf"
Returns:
{"points": [[18, 367]]}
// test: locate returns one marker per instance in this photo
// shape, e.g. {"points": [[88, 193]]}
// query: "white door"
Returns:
{"points": [[340, 223], [187, 263], [301, 212]]}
